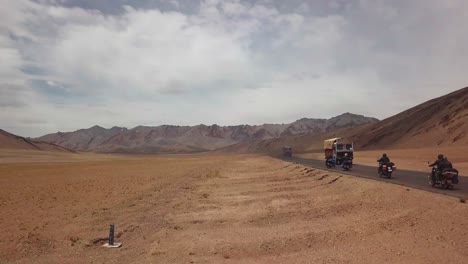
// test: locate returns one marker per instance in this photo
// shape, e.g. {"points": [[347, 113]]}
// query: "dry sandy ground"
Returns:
{"points": [[218, 209], [35, 156], [410, 159]]}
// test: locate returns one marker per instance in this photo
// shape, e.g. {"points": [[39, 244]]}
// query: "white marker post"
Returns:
{"points": [[111, 243]]}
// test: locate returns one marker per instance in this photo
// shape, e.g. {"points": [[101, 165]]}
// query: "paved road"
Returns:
{"points": [[414, 179]]}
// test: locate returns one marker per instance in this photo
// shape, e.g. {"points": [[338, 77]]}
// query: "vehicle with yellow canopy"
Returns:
{"points": [[338, 150]]}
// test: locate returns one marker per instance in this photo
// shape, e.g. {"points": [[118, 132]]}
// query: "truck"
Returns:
{"points": [[336, 149], [287, 151]]}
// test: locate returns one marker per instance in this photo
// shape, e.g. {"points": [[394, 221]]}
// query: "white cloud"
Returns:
{"points": [[229, 62], [52, 83], [147, 51]]}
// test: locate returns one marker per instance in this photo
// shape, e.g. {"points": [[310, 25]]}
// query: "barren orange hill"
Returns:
{"points": [[440, 122], [11, 141]]}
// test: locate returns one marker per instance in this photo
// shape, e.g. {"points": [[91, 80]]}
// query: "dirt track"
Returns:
{"points": [[215, 209]]}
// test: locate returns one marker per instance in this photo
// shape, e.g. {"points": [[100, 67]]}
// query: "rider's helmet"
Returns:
{"points": [[440, 156], [384, 155]]}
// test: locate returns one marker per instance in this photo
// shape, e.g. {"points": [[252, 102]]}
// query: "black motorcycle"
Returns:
{"points": [[444, 179], [386, 170], [347, 165]]}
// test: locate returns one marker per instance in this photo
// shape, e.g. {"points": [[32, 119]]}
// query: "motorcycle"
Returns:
{"points": [[386, 170], [347, 164], [445, 180], [330, 163]]}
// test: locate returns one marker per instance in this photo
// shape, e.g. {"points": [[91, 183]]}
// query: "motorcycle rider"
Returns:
{"points": [[330, 160], [442, 164], [383, 160], [347, 160]]}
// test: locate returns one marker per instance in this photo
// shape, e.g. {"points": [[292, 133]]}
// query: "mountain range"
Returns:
{"points": [[442, 121], [186, 139]]}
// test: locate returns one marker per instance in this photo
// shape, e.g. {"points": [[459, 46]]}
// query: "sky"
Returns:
{"points": [[71, 64]]}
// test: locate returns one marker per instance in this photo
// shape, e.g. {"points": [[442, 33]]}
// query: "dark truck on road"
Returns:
{"points": [[287, 151]]}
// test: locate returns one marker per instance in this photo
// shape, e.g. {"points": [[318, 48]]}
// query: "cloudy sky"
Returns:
{"points": [[70, 64]]}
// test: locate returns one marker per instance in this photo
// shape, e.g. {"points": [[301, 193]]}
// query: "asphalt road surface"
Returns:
{"points": [[414, 179]]}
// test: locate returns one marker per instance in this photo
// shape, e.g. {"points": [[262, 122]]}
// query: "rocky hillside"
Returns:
{"points": [[83, 139], [185, 139], [306, 125], [11, 141]]}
